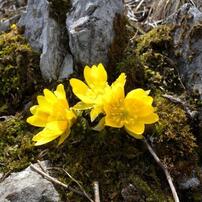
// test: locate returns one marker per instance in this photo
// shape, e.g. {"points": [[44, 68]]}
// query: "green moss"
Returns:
{"points": [[134, 71], [19, 69], [16, 149], [111, 157], [173, 137], [156, 53], [151, 195], [150, 63], [158, 39]]}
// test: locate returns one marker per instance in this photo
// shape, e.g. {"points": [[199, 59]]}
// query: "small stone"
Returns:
{"points": [[28, 185], [189, 183]]}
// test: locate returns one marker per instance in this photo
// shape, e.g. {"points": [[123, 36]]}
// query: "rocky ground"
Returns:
{"points": [[156, 43]]}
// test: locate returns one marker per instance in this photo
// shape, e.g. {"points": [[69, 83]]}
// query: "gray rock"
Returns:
{"points": [[189, 183], [90, 29], [45, 34], [67, 67], [188, 42], [27, 185], [33, 20]]}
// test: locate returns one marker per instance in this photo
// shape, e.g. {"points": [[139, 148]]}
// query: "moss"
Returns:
{"points": [[16, 149], [111, 157], [158, 39], [150, 63], [134, 71], [173, 137], [19, 69], [155, 50], [150, 194]]}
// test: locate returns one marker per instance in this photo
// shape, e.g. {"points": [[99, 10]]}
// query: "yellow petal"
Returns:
{"points": [[33, 109], [114, 122], [63, 137], [49, 95], [61, 94], [71, 116], [152, 118], [140, 94], [44, 104], [114, 109], [101, 125], [115, 96], [137, 107], [82, 91], [95, 112], [96, 76], [39, 120], [57, 126], [82, 106], [137, 136], [136, 127], [44, 137], [120, 81]]}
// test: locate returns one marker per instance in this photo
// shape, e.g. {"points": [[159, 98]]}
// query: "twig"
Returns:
{"points": [[40, 165], [135, 25], [5, 175], [96, 191], [74, 180], [138, 6], [52, 179], [191, 114], [169, 179], [192, 2]]}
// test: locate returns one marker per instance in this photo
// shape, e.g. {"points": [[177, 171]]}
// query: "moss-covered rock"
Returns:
{"points": [[173, 138], [156, 52], [19, 69]]}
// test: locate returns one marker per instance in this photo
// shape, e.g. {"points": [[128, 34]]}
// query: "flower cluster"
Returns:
{"points": [[132, 111]]}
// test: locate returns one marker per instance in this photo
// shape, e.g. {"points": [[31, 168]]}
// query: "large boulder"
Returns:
{"points": [[47, 35], [90, 29], [27, 185]]}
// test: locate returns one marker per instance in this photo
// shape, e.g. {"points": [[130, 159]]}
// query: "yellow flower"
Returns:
{"points": [[52, 113], [132, 112], [94, 93]]}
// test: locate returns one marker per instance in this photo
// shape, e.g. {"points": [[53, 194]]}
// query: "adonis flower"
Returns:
{"points": [[94, 93], [52, 113], [131, 112]]}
